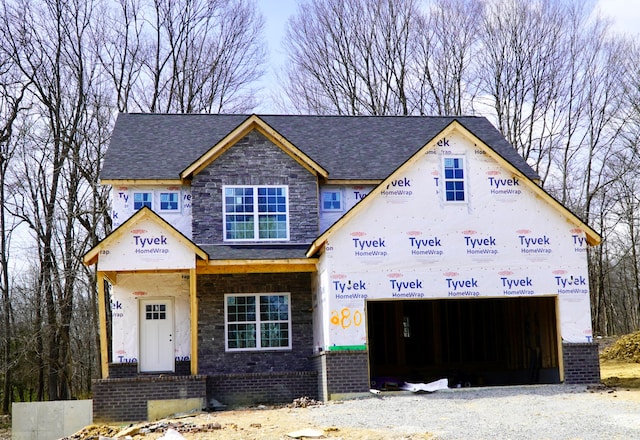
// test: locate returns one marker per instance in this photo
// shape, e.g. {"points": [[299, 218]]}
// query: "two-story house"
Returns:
{"points": [[265, 258]]}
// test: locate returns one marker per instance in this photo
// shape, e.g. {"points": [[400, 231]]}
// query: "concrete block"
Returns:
{"points": [[49, 420], [77, 415], [50, 417], [160, 409]]}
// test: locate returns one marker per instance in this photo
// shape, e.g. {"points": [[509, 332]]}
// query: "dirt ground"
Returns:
{"points": [[269, 423], [283, 422], [620, 374], [287, 421], [620, 361], [5, 427]]}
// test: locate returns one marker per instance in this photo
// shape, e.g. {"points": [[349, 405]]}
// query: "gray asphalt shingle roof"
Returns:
{"points": [[256, 251], [161, 146]]}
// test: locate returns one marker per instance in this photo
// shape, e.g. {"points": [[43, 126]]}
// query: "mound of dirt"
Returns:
{"points": [[626, 348]]}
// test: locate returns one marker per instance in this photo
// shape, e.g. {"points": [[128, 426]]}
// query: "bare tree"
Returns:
{"points": [[443, 70], [183, 56], [521, 71], [118, 36], [82, 61], [47, 41], [617, 306], [351, 57], [11, 95]]}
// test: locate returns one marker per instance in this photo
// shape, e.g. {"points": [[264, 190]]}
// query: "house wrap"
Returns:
{"points": [[261, 258]]}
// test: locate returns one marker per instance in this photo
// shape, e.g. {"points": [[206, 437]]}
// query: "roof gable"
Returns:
{"points": [[144, 241], [454, 127], [253, 122]]}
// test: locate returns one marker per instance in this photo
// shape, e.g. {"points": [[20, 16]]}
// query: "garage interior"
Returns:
{"points": [[472, 342]]}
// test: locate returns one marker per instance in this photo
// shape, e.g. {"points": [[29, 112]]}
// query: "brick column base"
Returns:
{"points": [[581, 363], [342, 374]]}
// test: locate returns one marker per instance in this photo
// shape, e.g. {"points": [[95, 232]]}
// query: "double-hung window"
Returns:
{"points": [[454, 182], [256, 213], [141, 199], [257, 321]]}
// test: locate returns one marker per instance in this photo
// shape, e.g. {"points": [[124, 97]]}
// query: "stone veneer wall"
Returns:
{"points": [[258, 376], [581, 363], [125, 399], [254, 160], [213, 358]]}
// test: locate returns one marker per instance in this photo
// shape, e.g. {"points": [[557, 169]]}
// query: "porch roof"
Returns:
{"points": [[256, 251]]}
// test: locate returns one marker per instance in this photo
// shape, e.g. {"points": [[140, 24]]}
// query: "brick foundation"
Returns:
{"points": [[581, 363], [125, 399], [118, 370], [130, 370], [342, 373], [256, 388]]}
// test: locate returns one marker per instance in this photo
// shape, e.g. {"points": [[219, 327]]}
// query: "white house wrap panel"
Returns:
{"points": [[409, 243], [123, 204], [146, 245], [125, 298]]}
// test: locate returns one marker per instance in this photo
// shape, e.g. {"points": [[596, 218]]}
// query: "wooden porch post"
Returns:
{"points": [[102, 316], [193, 302]]}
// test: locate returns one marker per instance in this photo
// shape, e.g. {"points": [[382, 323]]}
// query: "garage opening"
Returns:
{"points": [[472, 342]]}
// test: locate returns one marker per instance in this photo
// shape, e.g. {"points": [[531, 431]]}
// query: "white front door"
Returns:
{"points": [[156, 335]]}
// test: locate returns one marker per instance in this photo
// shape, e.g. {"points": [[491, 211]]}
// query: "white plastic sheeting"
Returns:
{"points": [[350, 195], [407, 242], [125, 298], [122, 206], [146, 245]]}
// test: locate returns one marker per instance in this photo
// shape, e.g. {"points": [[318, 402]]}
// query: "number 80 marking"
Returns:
{"points": [[345, 318]]}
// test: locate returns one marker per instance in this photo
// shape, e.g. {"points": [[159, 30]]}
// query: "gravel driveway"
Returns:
{"points": [[524, 412]]}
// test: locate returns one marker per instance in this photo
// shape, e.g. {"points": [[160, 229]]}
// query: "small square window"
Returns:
{"points": [[155, 312], [169, 201], [331, 200], [141, 199]]}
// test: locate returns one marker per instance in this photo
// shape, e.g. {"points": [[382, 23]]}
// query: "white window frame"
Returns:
{"points": [[257, 321], [142, 192], [463, 179], [160, 193], [331, 191], [255, 213]]}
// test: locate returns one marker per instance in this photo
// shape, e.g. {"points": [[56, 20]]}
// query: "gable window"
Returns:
{"points": [[331, 200], [141, 199], [257, 321], [454, 187], [256, 213], [169, 201]]}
